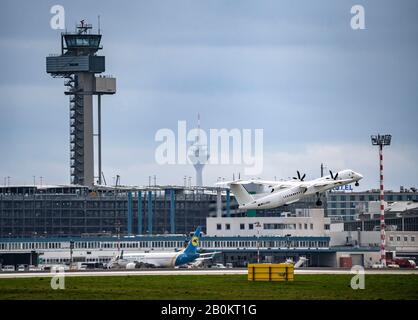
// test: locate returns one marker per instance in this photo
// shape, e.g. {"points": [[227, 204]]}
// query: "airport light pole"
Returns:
{"points": [[71, 252], [118, 233], [288, 241], [258, 225], [382, 140]]}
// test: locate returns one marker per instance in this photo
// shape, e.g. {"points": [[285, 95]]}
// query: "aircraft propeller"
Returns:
{"points": [[300, 177], [332, 176]]}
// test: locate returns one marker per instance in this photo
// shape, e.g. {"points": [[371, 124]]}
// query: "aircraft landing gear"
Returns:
{"points": [[357, 184]]}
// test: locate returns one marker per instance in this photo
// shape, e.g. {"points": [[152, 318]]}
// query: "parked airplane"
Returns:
{"points": [[298, 264], [282, 193], [162, 259]]}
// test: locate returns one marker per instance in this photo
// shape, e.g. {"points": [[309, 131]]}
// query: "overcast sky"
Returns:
{"points": [[293, 68]]}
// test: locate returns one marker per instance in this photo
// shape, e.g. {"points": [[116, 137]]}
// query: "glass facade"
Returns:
{"points": [[408, 223], [36, 213], [92, 41], [28, 211], [346, 206]]}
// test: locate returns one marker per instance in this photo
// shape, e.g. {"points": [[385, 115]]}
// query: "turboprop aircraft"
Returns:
{"points": [[162, 259], [282, 193]]}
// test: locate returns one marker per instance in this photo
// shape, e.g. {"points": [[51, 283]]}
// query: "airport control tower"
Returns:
{"points": [[78, 64]]}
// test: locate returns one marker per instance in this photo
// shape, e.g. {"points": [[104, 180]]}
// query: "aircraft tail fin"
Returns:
{"points": [[242, 195], [300, 262], [191, 248]]}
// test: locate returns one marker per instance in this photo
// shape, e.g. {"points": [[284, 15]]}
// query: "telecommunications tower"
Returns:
{"points": [[199, 155]]}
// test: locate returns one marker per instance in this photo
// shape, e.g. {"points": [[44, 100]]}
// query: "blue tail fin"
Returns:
{"points": [[193, 243]]}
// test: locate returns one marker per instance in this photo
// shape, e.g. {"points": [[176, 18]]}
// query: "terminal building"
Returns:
{"points": [[45, 220], [70, 210], [347, 205], [241, 240], [238, 247], [57, 211], [43, 223]]}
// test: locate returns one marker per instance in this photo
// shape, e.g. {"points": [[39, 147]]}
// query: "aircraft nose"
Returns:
{"points": [[359, 176]]}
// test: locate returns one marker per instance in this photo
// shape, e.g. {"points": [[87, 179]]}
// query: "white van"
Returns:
{"points": [[34, 268], [8, 268]]}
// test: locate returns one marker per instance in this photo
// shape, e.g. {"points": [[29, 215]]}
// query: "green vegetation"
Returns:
{"points": [[211, 287]]}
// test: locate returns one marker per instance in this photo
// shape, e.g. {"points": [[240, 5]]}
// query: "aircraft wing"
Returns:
{"points": [[257, 182], [224, 183], [211, 254], [205, 258], [275, 184], [290, 202], [330, 182], [228, 183]]}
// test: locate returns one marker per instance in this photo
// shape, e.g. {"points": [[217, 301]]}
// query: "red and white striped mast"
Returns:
{"points": [[382, 140]]}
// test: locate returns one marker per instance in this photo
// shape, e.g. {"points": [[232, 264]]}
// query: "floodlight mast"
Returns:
{"points": [[382, 140]]}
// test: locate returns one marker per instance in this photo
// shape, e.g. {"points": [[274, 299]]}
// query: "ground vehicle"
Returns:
{"points": [[21, 267], [8, 268], [34, 268], [218, 266], [90, 265], [82, 266], [405, 263], [57, 267], [229, 265]]}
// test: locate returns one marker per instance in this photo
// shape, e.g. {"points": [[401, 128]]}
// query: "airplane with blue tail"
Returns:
{"points": [[163, 259]]}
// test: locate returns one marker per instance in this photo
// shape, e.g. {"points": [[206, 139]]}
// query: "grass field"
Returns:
{"points": [[212, 287]]}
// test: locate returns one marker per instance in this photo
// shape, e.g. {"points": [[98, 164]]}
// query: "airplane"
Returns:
{"points": [[162, 259], [282, 193], [298, 264]]}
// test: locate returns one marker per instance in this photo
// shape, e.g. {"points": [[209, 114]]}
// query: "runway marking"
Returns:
{"points": [[189, 272]]}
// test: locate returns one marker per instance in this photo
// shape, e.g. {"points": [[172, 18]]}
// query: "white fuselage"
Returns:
{"points": [[294, 190], [277, 198], [157, 259]]}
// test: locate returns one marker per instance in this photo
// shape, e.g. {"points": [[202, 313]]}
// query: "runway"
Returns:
{"points": [[179, 272]]}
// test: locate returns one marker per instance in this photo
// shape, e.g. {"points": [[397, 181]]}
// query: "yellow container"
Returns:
{"points": [[271, 272]]}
